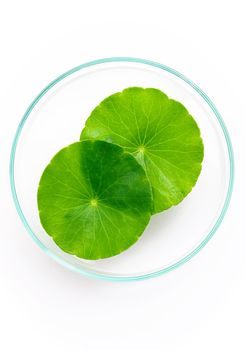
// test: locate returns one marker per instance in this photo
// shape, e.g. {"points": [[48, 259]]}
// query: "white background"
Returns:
{"points": [[202, 304]]}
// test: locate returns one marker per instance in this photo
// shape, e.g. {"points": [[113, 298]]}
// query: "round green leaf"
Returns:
{"points": [[161, 135], [94, 199]]}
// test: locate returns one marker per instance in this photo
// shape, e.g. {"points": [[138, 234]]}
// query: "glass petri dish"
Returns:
{"points": [[55, 119]]}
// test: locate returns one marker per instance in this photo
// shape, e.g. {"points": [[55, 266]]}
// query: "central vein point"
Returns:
{"points": [[94, 202], [141, 149]]}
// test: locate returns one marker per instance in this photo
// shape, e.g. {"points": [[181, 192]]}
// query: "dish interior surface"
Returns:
{"points": [[56, 118]]}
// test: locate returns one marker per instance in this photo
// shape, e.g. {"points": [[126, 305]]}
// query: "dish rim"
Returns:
{"points": [[90, 273]]}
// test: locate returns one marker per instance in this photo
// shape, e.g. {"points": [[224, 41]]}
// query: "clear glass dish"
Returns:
{"points": [[55, 119]]}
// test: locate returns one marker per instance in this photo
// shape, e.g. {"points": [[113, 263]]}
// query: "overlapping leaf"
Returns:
{"points": [[94, 199]]}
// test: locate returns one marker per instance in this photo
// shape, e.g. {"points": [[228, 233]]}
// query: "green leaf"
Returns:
{"points": [[94, 199], [161, 135]]}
